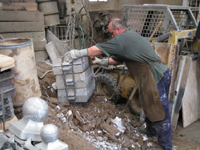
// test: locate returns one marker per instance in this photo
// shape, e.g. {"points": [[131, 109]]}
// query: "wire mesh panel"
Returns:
{"points": [[143, 19], [59, 31]]}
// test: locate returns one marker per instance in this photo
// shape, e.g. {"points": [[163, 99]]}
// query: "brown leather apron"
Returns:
{"points": [[148, 92]]}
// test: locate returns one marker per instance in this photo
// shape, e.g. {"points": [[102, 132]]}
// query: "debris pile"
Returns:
{"points": [[100, 122]]}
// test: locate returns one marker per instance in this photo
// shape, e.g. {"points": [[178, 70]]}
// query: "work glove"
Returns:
{"points": [[103, 62], [73, 54]]}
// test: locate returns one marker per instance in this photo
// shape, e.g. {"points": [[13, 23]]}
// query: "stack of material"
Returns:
{"points": [[74, 81], [50, 10], [22, 19], [7, 88], [6, 62]]}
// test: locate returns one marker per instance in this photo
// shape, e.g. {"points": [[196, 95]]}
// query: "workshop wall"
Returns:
{"points": [[109, 5], [118, 4], [140, 2]]}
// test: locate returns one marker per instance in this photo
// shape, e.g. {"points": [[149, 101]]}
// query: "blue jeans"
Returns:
{"points": [[162, 129]]}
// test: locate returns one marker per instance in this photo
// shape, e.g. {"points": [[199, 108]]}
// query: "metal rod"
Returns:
{"points": [[155, 30], [119, 85], [3, 112], [130, 97]]}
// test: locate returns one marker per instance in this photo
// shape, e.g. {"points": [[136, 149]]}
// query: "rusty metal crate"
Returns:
{"points": [[143, 19]]}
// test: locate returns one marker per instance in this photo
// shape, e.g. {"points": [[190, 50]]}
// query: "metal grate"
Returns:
{"points": [[59, 31], [143, 19]]}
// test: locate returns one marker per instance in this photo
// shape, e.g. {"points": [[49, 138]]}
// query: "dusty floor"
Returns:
{"points": [[99, 124]]}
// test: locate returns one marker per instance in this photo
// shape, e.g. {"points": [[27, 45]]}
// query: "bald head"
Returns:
{"points": [[116, 22], [116, 26]]}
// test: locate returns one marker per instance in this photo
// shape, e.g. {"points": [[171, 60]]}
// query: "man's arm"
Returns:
{"points": [[72, 54], [104, 62], [112, 62], [94, 51]]}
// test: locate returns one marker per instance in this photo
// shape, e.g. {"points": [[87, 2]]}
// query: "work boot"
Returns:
{"points": [[158, 147], [145, 131]]}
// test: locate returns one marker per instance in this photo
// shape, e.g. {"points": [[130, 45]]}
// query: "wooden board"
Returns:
{"points": [[191, 98], [21, 26], [5, 61], [21, 16], [182, 78], [19, 6], [35, 36], [21, 1]]}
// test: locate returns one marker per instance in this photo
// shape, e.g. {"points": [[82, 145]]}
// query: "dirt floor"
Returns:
{"points": [[99, 124]]}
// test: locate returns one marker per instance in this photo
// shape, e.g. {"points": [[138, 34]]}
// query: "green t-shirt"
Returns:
{"points": [[131, 46]]}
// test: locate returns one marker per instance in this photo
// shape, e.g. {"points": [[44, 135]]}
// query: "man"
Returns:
{"points": [[145, 68]]}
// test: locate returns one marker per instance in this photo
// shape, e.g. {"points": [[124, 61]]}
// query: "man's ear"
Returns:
{"points": [[118, 28]]}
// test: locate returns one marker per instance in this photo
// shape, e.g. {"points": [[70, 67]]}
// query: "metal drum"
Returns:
{"points": [[48, 7], [51, 13], [51, 20], [25, 72]]}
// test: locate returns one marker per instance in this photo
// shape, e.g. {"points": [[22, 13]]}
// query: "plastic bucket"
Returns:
{"points": [[25, 72]]}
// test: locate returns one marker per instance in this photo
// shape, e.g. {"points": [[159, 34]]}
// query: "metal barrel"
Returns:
{"points": [[25, 72]]}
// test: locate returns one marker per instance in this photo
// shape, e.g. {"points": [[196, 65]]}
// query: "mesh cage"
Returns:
{"points": [[143, 19]]}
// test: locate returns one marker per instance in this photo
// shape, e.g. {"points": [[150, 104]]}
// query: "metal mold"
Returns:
{"points": [[81, 94], [26, 128], [35, 111], [82, 79], [68, 68], [80, 60], [49, 134], [74, 81]]}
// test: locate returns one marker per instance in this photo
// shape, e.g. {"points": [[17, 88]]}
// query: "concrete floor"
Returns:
{"points": [[187, 138]]}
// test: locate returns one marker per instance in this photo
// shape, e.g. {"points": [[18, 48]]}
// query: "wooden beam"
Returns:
{"points": [[6, 27], [182, 78], [19, 6], [19, 1], [191, 98], [35, 36], [21, 16], [6, 61]]}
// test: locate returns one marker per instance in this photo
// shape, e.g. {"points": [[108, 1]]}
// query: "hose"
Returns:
{"points": [[96, 22], [83, 36], [44, 74]]}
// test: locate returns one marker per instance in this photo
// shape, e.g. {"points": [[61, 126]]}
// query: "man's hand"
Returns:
{"points": [[103, 62], [73, 54]]}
